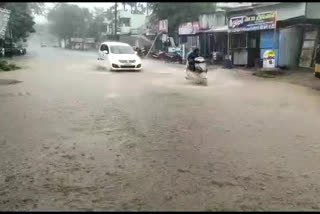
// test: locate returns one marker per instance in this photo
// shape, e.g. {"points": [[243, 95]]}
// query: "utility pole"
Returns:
{"points": [[115, 21]]}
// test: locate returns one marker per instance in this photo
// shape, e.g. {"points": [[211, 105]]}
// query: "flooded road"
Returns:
{"points": [[75, 137]]}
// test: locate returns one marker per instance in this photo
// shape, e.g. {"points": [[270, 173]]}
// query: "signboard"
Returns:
{"points": [[260, 21], [164, 38], [163, 26], [4, 18], [89, 40], [269, 59], [189, 28], [80, 40], [174, 50]]}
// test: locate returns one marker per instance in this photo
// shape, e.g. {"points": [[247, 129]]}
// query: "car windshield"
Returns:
{"points": [[121, 49]]}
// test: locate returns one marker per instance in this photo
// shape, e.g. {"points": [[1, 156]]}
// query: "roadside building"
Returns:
{"points": [[189, 35], [130, 29], [279, 34], [82, 43], [213, 35]]}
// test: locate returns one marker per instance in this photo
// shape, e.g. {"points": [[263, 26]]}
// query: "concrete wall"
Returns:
{"points": [[208, 21], [313, 10], [136, 20], [290, 40]]}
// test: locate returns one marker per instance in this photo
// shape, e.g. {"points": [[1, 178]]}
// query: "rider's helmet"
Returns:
{"points": [[196, 50]]}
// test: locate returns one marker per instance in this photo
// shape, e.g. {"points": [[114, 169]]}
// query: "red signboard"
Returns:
{"points": [[189, 28]]}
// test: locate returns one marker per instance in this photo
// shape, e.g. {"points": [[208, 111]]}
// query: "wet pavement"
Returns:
{"points": [[76, 137]]}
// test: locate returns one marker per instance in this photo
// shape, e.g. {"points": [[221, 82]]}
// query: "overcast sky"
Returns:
{"points": [[90, 6]]}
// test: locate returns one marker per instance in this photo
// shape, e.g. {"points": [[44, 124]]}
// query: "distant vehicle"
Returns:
{"points": [[43, 45], [8, 50], [2, 52], [119, 56], [14, 50], [18, 50]]}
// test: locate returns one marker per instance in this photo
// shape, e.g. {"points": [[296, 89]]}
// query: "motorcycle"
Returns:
{"points": [[175, 57], [200, 74], [158, 56], [142, 52]]}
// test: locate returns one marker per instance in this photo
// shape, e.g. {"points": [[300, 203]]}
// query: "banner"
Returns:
{"points": [[189, 28], [269, 59], [260, 21], [163, 26], [4, 18]]}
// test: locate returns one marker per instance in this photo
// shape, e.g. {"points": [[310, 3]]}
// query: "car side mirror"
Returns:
{"points": [[105, 52]]}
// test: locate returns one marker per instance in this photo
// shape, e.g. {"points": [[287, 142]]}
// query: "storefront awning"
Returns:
{"points": [[221, 29]]}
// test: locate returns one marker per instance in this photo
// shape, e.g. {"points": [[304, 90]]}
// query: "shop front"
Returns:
{"points": [[217, 41], [189, 36], [253, 40]]}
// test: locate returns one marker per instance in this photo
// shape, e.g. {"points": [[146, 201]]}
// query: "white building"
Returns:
{"points": [[128, 23], [233, 4]]}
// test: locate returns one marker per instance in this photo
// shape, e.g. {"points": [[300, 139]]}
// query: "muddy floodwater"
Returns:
{"points": [[77, 137]]}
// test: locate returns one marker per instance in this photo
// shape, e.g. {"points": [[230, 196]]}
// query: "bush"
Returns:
{"points": [[5, 66]]}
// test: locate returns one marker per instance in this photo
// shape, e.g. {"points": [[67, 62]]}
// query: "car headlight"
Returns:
{"points": [[115, 65]]}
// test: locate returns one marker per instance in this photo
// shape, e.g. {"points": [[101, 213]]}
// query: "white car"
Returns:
{"points": [[119, 56]]}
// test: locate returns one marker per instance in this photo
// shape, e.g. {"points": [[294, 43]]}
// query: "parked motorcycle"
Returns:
{"points": [[174, 58], [142, 52], [157, 56], [200, 74]]}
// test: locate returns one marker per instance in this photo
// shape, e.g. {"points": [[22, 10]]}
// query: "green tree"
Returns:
{"points": [[68, 20], [178, 13], [141, 9], [149, 7], [21, 20], [124, 5], [37, 8], [109, 15], [97, 25], [132, 5]]}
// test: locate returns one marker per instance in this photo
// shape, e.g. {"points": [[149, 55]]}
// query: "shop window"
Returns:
{"points": [[238, 41], [183, 39], [125, 22], [253, 43], [194, 41]]}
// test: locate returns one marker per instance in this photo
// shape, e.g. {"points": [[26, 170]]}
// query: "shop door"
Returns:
{"points": [[310, 39]]}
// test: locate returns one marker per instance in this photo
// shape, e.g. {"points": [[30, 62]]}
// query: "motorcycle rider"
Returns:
{"points": [[194, 54]]}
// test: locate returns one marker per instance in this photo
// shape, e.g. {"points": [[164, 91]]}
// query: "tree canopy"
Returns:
{"points": [[68, 20], [97, 24], [21, 20]]}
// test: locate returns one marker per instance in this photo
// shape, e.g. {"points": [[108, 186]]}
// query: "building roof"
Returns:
{"points": [[253, 6], [86, 40]]}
